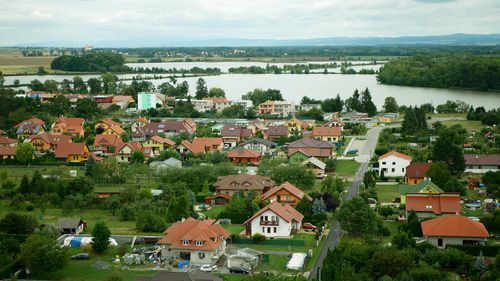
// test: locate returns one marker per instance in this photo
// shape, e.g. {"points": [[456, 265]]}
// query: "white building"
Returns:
{"points": [[284, 108], [307, 107], [221, 105], [245, 103], [261, 145], [147, 100], [274, 220], [202, 105], [393, 164]]}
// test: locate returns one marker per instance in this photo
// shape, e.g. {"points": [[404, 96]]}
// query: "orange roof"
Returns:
{"points": [[454, 225], [117, 98], [243, 152], [269, 102], [8, 150], [333, 121], [135, 146], [163, 140], [32, 120], [110, 122], [294, 120], [200, 144], [193, 230], [117, 129], [52, 139], [70, 121], [217, 100], [64, 150], [326, 131], [106, 140], [6, 140], [397, 154], [437, 203], [142, 119], [286, 212], [292, 189], [417, 169]]}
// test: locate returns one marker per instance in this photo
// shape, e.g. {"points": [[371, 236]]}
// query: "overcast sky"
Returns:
{"points": [[27, 21]]}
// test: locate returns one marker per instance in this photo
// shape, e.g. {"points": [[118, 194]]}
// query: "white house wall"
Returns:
{"points": [[395, 166]]}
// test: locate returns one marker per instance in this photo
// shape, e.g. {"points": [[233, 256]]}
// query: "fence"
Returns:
{"points": [[280, 242]]}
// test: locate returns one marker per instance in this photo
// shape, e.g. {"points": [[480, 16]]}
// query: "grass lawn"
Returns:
{"points": [[346, 168], [447, 115], [387, 193], [311, 261], [16, 173], [276, 263], [213, 212], [235, 229], [466, 124], [309, 243], [472, 194], [478, 213], [394, 228]]}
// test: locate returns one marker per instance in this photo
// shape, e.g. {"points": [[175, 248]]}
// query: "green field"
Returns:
{"points": [[346, 168], [309, 243], [213, 212], [387, 193], [466, 124], [235, 229], [277, 263]]}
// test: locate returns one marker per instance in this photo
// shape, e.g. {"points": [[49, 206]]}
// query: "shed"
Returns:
{"points": [[70, 225]]}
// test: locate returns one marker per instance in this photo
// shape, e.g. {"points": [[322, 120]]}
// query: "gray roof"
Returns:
{"points": [[66, 223], [263, 141], [170, 162], [316, 162]]}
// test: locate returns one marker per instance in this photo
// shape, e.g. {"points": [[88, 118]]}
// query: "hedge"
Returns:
{"points": [[269, 242], [488, 250]]}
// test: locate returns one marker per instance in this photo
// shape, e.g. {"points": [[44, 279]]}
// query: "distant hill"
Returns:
{"points": [[452, 39]]}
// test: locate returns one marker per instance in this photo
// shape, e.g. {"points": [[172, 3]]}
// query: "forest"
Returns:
{"points": [[98, 62], [478, 72]]}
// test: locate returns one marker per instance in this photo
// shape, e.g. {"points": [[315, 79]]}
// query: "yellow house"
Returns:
{"points": [[157, 144], [72, 152], [425, 186], [329, 134], [125, 150], [286, 193], [294, 126], [109, 127]]}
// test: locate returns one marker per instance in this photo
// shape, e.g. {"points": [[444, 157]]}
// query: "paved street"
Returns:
{"points": [[364, 157]]}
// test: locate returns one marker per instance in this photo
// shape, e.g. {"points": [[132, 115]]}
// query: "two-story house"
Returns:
{"points": [[72, 152], [124, 151], [106, 144], [230, 184], [275, 133], [301, 150], [285, 193], [26, 128], [233, 135], [138, 123], [393, 164], [329, 134], [70, 126], [200, 145], [261, 145], [425, 186], [416, 172], [109, 127], [274, 220], [46, 142], [157, 144], [243, 155]]}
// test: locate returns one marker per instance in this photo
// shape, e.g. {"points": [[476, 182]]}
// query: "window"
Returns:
{"points": [[428, 206], [414, 181], [440, 242], [185, 242], [383, 163], [393, 163], [393, 170], [263, 230], [199, 243], [274, 229], [201, 255], [268, 230]]}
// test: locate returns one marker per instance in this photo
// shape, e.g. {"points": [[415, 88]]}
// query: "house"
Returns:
{"points": [[220, 103], [200, 145], [245, 103], [433, 204], [316, 165], [124, 151], [277, 108], [307, 107], [47, 142], [202, 105], [70, 226], [147, 100], [139, 123], [109, 127], [285, 193], [335, 122], [329, 134], [294, 126], [26, 128], [232, 135], [355, 116], [275, 133], [386, 117], [72, 152], [230, 184], [393, 164], [490, 137], [194, 241], [8, 152], [5, 141], [158, 144], [122, 101], [415, 172], [193, 275], [481, 163], [65, 125], [170, 162], [454, 230], [305, 148], [168, 129], [106, 144], [425, 186], [261, 145], [218, 200], [274, 220], [243, 155]]}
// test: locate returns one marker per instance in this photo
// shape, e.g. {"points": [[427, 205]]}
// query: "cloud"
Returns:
{"points": [[41, 15]]}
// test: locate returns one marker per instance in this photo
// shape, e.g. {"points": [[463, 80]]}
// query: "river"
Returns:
{"points": [[295, 86]]}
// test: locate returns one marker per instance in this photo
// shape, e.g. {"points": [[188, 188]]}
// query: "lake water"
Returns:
{"points": [[295, 86]]}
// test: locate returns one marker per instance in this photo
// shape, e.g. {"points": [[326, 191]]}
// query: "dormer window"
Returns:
{"points": [[199, 243], [428, 207], [185, 242]]}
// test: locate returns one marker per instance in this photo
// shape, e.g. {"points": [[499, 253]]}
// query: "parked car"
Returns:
{"points": [[238, 270], [208, 268], [81, 256], [308, 225], [352, 151]]}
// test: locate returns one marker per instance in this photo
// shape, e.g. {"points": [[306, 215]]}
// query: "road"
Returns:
{"points": [[364, 157]]}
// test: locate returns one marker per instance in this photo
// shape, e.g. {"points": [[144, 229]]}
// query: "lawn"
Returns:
{"points": [[466, 124], [235, 229], [394, 228], [311, 261], [16, 173], [387, 193], [276, 263], [309, 243], [213, 212], [346, 168]]}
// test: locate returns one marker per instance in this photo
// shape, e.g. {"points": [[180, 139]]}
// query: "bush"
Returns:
{"points": [[258, 237], [30, 207], [474, 250], [147, 221]]}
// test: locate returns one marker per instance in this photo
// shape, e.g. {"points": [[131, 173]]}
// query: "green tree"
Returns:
{"points": [[367, 104], [217, 93], [448, 148], [390, 105], [318, 207], [36, 85], [492, 182], [332, 105], [50, 86], [357, 218], [147, 221], [137, 157], [86, 108], [438, 173], [41, 70], [179, 208], [353, 103], [305, 207], [402, 241], [109, 83], [410, 122], [25, 153], [14, 223], [2, 79], [414, 226], [79, 85], [60, 105], [89, 166], [95, 86], [25, 187], [43, 254], [387, 262], [201, 89], [101, 235], [17, 203]]}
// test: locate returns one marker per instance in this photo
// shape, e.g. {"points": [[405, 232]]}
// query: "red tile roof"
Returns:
{"points": [[277, 131], [454, 225], [31, 120], [286, 212], [417, 169], [135, 146], [8, 150], [110, 122], [439, 203], [217, 100], [200, 145], [64, 150], [107, 140], [163, 140], [52, 139], [6, 140], [397, 154], [326, 131], [70, 121], [287, 186], [334, 121], [194, 230], [482, 159], [142, 119], [243, 181], [235, 131], [243, 153]]}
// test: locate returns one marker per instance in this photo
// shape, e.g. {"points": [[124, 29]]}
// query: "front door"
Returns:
{"points": [[440, 242], [279, 198]]}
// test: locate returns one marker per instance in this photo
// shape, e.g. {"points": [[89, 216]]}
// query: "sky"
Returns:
{"points": [[29, 21]]}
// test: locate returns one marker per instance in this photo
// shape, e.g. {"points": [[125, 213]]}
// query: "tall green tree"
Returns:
{"points": [[201, 89], [109, 83], [79, 85], [492, 181], [410, 122], [217, 93], [414, 226], [137, 157], [390, 105], [367, 104], [305, 207], [448, 148], [357, 218], [95, 86], [86, 108], [353, 103], [25, 153], [43, 254], [101, 235]]}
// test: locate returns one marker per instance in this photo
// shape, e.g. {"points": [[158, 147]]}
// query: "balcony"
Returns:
{"points": [[287, 201], [269, 223]]}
